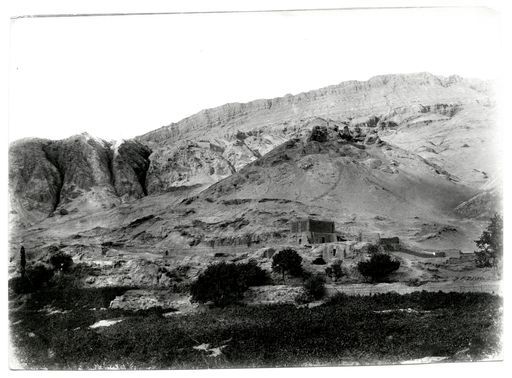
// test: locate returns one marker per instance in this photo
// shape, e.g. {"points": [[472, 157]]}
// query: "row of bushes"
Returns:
{"points": [[224, 283]]}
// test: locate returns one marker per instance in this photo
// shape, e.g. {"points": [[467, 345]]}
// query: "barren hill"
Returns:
{"points": [[236, 174]]}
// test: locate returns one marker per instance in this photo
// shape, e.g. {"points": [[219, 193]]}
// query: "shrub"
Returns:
{"points": [[19, 285], [253, 274], [387, 248], [378, 267], [334, 271], [314, 286], [373, 249], [226, 283], [61, 261], [220, 283], [39, 275], [36, 277], [490, 244], [318, 261], [287, 261]]}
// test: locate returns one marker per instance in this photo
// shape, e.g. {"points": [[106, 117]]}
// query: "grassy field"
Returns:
{"points": [[384, 328]]}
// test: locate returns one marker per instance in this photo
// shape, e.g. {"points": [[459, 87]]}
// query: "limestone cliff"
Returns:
{"points": [[77, 174]]}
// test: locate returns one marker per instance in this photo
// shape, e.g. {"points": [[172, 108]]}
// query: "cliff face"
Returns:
{"points": [[130, 165], [413, 111], [445, 121], [34, 182], [79, 173], [350, 99], [186, 164], [84, 163]]}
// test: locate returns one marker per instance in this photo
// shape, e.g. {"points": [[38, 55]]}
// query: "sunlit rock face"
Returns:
{"points": [[442, 125]]}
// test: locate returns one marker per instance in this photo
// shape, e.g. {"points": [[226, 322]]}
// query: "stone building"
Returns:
{"points": [[311, 231], [390, 244]]}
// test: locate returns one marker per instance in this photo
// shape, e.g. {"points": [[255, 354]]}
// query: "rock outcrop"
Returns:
{"points": [[80, 173], [319, 134], [186, 164], [34, 182], [130, 164], [350, 99], [84, 164]]}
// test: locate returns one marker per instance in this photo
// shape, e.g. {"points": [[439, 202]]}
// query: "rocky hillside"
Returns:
{"points": [[422, 113], [78, 174], [407, 154], [353, 178], [381, 95]]}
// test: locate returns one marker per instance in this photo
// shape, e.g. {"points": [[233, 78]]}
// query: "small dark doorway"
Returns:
{"points": [[323, 239]]}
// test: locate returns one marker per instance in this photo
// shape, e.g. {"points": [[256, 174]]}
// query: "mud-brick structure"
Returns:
{"points": [[392, 244], [311, 231]]}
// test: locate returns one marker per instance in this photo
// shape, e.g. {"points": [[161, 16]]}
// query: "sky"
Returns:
{"points": [[118, 77]]}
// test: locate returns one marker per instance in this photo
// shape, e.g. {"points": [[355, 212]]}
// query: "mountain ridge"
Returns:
{"points": [[439, 131], [267, 103]]}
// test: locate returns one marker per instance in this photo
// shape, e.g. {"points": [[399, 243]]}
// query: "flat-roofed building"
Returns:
{"points": [[312, 231]]}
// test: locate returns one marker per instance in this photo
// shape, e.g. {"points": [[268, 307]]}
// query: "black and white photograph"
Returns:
{"points": [[255, 188]]}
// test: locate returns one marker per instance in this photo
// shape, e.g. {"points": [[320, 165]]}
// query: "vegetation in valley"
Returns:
{"points": [[51, 330]]}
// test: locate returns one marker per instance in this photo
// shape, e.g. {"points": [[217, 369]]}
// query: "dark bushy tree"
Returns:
{"points": [[490, 244], [35, 278], [287, 261], [314, 286], [61, 262], [378, 267], [318, 261], [252, 274], [226, 283], [334, 271], [372, 249], [39, 275]]}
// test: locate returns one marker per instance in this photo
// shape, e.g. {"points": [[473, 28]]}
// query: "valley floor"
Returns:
{"points": [[75, 328]]}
